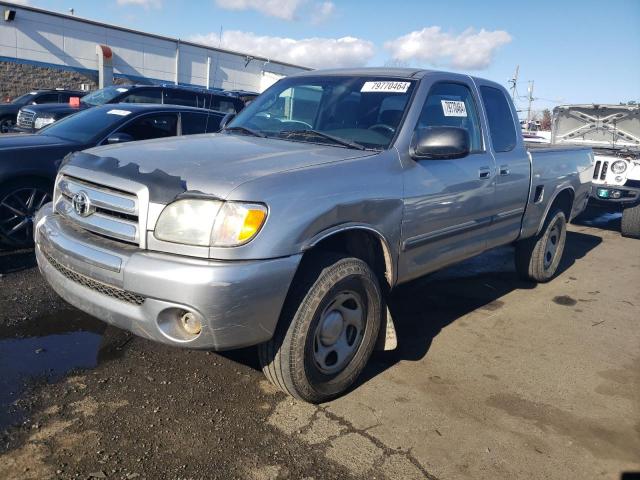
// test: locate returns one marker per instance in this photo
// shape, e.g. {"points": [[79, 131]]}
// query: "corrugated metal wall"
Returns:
{"points": [[51, 39]]}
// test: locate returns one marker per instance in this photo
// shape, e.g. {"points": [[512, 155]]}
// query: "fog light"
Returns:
{"points": [[191, 323], [616, 194]]}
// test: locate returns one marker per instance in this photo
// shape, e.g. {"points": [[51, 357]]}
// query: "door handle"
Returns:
{"points": [[504, 170], [484, 172]]}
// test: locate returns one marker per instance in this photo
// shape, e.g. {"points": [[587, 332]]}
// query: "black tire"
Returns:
{"points": [[17, 212], [6, 123], [631, 222], [290, 359], [534, 260]]}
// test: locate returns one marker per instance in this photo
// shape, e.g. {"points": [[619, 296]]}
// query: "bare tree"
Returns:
{"points": [[545, 123]]}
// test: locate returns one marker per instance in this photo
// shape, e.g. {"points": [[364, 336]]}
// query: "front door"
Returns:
{"points": [[447, 203]]}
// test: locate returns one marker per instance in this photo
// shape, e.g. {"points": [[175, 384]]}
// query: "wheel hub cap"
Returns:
{"points": [[339, 333]]}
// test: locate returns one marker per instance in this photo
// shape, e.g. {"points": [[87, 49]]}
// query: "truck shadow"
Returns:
{"points": [[597, 218], [422, 308], [12, 261]]}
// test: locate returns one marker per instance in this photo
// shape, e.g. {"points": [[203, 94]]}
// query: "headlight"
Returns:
{"points": [[619, 166], [43, 122], [210, 222]]}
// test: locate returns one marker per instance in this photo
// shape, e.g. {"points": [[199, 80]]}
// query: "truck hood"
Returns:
{"points": [[55, 108], [604, 126], [213, 164]]}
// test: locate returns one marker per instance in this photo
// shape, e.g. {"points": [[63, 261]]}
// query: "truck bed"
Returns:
{"points": [[549, 167]]}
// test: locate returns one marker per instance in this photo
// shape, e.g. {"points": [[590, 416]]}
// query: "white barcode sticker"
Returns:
{"points": [[122, 113], [392, 87], [453, 108]]}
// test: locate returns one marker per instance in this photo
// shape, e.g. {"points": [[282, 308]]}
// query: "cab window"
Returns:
{"points": [[179, 97], [143, 96], [46, 98], [193, 123], [501, 123], [152, 126], [452, 105]]}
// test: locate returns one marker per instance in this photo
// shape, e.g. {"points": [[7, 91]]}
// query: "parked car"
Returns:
{"points": [[9, 111], [289, 229], [613, 131], [32, 118], [28, 163]]}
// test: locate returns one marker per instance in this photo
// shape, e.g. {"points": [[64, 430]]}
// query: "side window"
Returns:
{"points": [[501, 123], [213, 124], [193, 123], [452, 105], [47, 98], [222, 104], [152, 126], [143, 96], [178, 97]]}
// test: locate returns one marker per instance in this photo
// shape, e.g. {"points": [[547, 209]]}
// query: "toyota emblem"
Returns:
{"points": [[81, 204]]}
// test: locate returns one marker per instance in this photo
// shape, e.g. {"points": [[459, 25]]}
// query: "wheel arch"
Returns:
{"points": [[361, 241], [562, 198]]}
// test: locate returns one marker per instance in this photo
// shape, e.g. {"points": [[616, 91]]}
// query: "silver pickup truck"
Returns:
{"points": [[289, 229]]}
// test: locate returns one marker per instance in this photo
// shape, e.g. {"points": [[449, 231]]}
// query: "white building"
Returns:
{"points": [[66, 43]]}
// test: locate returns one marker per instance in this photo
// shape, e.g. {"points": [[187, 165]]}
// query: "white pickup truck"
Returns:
{"points": [[613, 131]]}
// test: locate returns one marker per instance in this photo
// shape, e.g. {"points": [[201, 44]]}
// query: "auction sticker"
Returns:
{"points": [[453, 108], [392, 87], [122, 90], [122, 113]]}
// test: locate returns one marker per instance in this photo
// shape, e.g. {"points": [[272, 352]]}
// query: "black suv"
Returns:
{"points": [[9, 111], [32, 119]]}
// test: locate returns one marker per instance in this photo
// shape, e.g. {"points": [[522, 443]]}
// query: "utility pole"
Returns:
{"points": [[514, 82], [530, 98]]}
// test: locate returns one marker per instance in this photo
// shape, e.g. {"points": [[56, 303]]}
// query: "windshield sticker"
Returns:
{"points": [[122, 113], [392, 87], [33, 93], [453, 108], [122, 90]]}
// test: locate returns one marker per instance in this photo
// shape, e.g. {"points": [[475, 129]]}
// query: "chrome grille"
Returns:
{"points": [[103, 288], [25, 118], [110, 212], [603, 172]]}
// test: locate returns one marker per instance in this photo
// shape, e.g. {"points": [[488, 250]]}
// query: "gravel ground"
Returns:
{"points": [[492, 379]]}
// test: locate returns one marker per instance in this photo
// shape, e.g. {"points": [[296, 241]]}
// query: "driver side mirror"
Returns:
{"points": [[226, 119], [440, 143], [119, 138]]}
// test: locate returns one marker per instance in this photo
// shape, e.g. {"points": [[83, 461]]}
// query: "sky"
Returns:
{"points": [[576, 51]]}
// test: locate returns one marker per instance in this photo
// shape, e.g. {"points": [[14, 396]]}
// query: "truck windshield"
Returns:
{"points": [[102, 96], [345, 111], [85, 126], [23, 99]]}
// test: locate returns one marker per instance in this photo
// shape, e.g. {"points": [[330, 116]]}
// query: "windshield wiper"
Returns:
{"points": [[316, 133], [240, 128]]}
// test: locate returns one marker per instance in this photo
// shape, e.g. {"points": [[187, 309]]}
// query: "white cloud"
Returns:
{"points": [[284, 9], [470, 49], [310, 52], [141, 3], [322, 11]]}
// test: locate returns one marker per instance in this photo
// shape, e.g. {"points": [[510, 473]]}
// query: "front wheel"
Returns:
{"points": [[538, 258], [6, 124], [20, 200], [327, 331], [631, 222]]}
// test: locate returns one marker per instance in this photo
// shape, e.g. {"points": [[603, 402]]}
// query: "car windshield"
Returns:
{"points": [[23, 99], [345, 111], [102, 96], [87, 125]]}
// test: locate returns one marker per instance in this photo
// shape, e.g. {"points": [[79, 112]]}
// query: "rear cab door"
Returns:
{"points": [[447, 203], [513, 167]]}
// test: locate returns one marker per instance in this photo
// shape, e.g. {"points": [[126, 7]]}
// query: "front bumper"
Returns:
{"points": [[145, 292], [603, 194]]}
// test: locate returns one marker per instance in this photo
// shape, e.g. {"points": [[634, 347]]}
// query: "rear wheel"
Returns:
{"points": [[631, 222], [537, 258], [20, 200], [328, 329]]}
